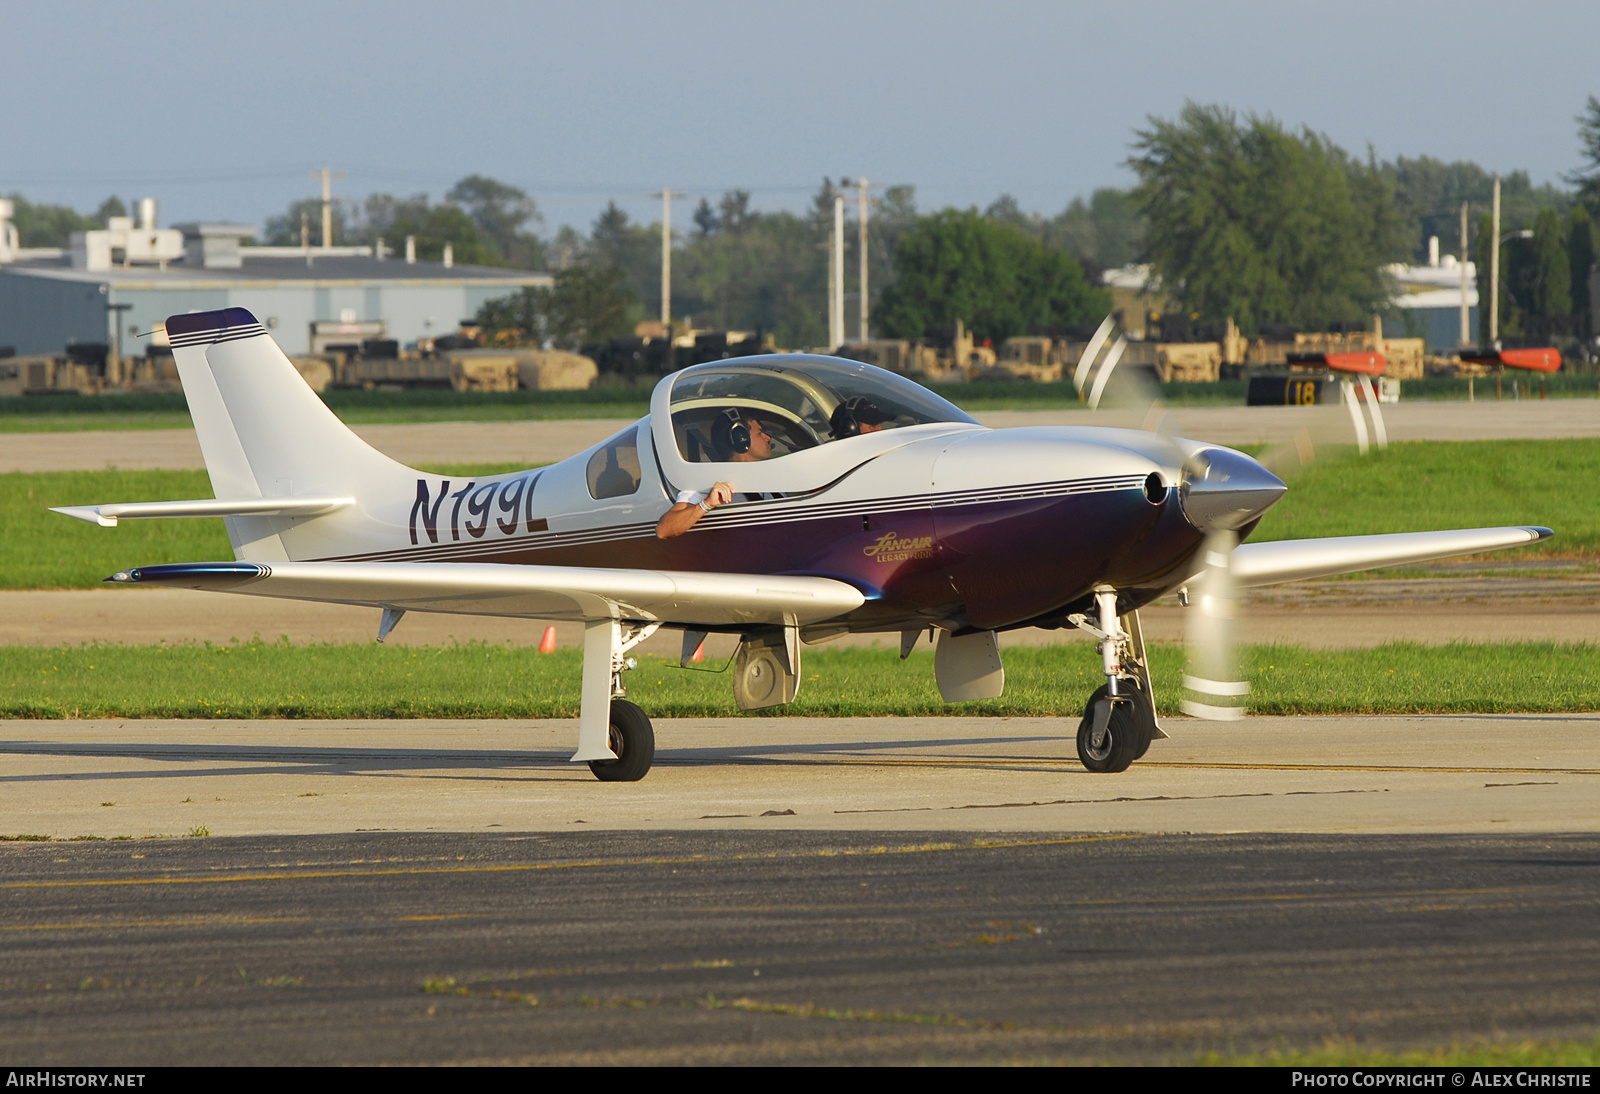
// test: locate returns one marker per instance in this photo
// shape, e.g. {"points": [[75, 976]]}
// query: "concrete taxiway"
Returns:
{"points": [[1435, 774]]}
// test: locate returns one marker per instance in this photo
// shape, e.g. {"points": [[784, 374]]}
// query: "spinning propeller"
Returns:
{"points": [[1220, 492]]}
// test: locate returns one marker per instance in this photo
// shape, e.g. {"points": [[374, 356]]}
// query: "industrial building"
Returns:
{"points": [[114, 285]]}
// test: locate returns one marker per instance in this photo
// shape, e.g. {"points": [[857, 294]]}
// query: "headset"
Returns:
{"points": [[730, 433]]}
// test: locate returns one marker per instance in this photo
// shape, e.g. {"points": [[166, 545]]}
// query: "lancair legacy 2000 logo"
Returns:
{"points": [[891, 548]]}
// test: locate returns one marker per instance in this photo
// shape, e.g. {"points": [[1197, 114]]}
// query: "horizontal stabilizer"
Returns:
{"points": [[106, 516], [536, 592], [1256, 564]]}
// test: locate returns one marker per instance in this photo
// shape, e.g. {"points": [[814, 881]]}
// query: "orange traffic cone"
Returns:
{"points": [[547, 644], [699, 652]]}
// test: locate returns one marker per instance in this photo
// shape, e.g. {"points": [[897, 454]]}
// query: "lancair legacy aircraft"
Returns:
{"points": [[809, 497]]}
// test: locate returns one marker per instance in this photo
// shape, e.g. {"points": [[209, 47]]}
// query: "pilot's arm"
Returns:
{"points": [[690, 507]]}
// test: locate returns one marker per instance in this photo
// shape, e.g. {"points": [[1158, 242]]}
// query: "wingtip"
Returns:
{"points": [[1540, 533]]}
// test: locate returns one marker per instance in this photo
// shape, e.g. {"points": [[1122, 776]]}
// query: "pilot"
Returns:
{"points": [[858, 415], [736, 437]]}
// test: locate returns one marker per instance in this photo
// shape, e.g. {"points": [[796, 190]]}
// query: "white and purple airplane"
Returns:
{"points": [[915, 519]]}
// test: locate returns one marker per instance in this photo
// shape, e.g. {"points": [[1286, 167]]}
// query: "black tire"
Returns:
{"points": [[1133, 689], [633, 739], [1128, 734]]}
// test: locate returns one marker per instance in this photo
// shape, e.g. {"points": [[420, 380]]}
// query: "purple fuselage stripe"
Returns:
{"points": [[996, 564]]}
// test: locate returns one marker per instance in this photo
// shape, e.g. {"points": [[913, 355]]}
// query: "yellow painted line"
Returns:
{"points": [[1101, 902], [525, 867], [434, 918], [212, 921]]}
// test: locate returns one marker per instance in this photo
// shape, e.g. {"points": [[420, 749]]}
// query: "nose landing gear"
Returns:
{"points": [[1125, 734], [1119, 721]]}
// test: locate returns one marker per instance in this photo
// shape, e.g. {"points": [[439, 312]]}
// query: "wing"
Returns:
{"points": [[539, 592], [1298, 559]]}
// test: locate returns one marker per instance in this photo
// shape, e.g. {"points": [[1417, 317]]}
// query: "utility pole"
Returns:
{"points": [[327, 203], [1465, 330], [836, 327], [666, 197], [114, 356], [861, 214], [1494, 271]]}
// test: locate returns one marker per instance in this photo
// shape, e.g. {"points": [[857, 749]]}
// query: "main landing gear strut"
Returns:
{"points": [[1119, 721], [615, 738]]}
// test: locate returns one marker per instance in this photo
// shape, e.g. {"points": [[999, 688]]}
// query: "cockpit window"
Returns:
{"points": [[614, 469], [799, 404]]}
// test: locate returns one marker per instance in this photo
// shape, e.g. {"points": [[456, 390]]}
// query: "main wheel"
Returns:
{"points": [[1128, 733], [633, 739]]}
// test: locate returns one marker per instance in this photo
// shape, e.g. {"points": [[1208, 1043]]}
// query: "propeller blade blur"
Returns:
{"points": [[1212, 687]]}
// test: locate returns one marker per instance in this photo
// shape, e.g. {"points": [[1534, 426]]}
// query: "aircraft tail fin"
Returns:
{"points": [[264, 433]]}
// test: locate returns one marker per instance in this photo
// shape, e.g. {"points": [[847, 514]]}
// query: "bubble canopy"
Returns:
{"points": [[799, 401]]}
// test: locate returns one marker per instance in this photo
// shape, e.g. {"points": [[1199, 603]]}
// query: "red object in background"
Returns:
{"points": [[1546, 359], [547, 644], [1540, 359], [1370, 364], [1367, 362]]}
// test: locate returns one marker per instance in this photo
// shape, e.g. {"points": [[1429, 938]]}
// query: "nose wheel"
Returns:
{"points": [[1129, 727], [633, 739]]}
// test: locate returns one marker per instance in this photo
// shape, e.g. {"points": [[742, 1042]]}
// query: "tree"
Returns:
{"points": [[1581, 256], [392, 219], [759, 271], [584, 307], [1552, 275], [705, 220], [1251, 221], [111, 207], [993, 276], [48, 225], [1588, 179], [1104, 233], [1429, 193], [1482, 255], [822, 206], [616, 243], [284, 231], [733, 211], [501, 213], [1006, 210]]}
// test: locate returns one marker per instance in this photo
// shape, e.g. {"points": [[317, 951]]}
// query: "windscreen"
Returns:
{"points": [[721, 411]]}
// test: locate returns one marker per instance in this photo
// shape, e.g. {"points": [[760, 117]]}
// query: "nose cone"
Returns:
{"points": [[1224, 489]]}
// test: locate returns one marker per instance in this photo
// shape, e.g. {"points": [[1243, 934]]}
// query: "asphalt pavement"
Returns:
{"points": [[795, 948]]}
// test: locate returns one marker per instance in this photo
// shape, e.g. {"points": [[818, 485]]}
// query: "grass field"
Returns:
{"points": [[1411, 487], [277, 680], [67, 413], [1424, 485], [44, 550]]}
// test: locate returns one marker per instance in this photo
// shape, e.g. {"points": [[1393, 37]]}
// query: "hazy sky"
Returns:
{"points": [[219, 110]]}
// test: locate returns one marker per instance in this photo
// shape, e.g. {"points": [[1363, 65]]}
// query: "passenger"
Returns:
{"points": [[736, 437], [858, 415]]}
